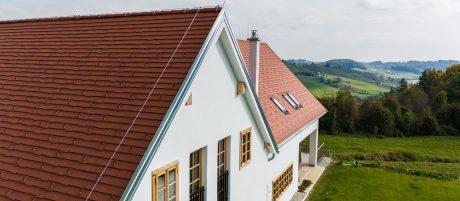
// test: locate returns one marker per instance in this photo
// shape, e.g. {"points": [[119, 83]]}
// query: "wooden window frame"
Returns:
{"points": [[200, 171], [224, 152], [245, 154], [282, 182], [165, 171]]}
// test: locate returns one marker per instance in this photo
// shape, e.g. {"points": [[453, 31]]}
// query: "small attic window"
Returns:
{"points": [[294, 99], [290, 101], [278, 104]]}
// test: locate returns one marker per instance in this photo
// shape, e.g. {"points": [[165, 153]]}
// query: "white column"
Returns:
{"points": [[313, 148]]}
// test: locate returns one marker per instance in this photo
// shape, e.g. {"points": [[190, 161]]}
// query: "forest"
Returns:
{"points": [[429, 107]]}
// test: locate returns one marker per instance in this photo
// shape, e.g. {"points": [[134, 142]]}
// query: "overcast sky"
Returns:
{"points": [[364, 30]]}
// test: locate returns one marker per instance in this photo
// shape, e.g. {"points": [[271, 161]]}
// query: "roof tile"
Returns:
{"points": [[275, 79], [70, 87]]}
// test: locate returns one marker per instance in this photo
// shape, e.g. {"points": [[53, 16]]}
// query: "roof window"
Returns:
{"points": [[278, 104], [292, 100]]}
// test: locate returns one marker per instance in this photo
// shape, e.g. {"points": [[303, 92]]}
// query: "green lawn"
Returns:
{"points": [[436, 146], [412, 168], [360, 183], [443, 168]]}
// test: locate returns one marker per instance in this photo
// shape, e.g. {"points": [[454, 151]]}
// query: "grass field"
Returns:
{"points": [[436, 146], [416, 168], [344, 183], [317, 88], [371, 88]]}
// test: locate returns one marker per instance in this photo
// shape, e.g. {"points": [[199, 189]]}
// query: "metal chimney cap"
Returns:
{"points": [[254, 36]]}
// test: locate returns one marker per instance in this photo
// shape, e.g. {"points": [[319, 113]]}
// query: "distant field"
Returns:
{"points": [[445, 146], [321, 89], [360, 82], [393, 74], [317, 88], [391, 169], [372, 89]]}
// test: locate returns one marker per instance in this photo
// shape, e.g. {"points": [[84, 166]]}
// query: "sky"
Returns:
{"points": [[317, 30]]}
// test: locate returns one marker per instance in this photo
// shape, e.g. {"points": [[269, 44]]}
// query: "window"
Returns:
{"points": [[291, 102], [222, 157], [164, 183], [245, 147], [278, 104], [281, 183], [195, 171], [295, 100], [222, 172]]}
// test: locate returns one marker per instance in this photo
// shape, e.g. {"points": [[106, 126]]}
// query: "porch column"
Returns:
{"points": [[313, 148]]}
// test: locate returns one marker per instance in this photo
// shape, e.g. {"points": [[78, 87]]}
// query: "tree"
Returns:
{"points": [[328, 121], [408, 121], [375, 119], [427, 124], [347, 111], [415, 99], [450, 115], [452, 83], [430, 81], [440, 99], [390, 102], [403, 85]]}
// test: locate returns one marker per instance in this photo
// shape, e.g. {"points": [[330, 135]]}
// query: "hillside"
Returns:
{"points": [[404, 66], [344, 63], [412, 66], [324, 80], [363, 79]]}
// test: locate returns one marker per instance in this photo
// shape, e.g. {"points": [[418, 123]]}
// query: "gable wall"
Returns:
{"points": [[216, 113]]}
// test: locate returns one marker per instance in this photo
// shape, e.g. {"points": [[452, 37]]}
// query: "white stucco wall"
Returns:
{"points": [[216, 113], [289, 153]]}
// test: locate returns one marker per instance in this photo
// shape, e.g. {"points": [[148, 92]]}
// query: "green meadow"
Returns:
{"points": [[387, 169]]}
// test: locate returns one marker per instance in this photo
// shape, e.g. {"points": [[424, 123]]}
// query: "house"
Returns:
{"points": [[147, 106]]}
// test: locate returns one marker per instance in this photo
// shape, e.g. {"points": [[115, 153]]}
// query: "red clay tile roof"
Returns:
{"points": [[70, 87], [275, 79]]}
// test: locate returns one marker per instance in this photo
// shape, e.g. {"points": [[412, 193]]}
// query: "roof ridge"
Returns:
{"points": [[114, 15]]}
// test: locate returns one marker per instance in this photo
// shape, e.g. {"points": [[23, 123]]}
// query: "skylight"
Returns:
{"points": [[294, 99], [291, 102], [278, 104]]}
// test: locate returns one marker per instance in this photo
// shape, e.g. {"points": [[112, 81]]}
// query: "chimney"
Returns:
{"points": [[254, 52]]}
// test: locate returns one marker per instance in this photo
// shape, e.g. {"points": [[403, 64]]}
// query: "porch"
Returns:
{"points": [[313, 160], [309, 175]]}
